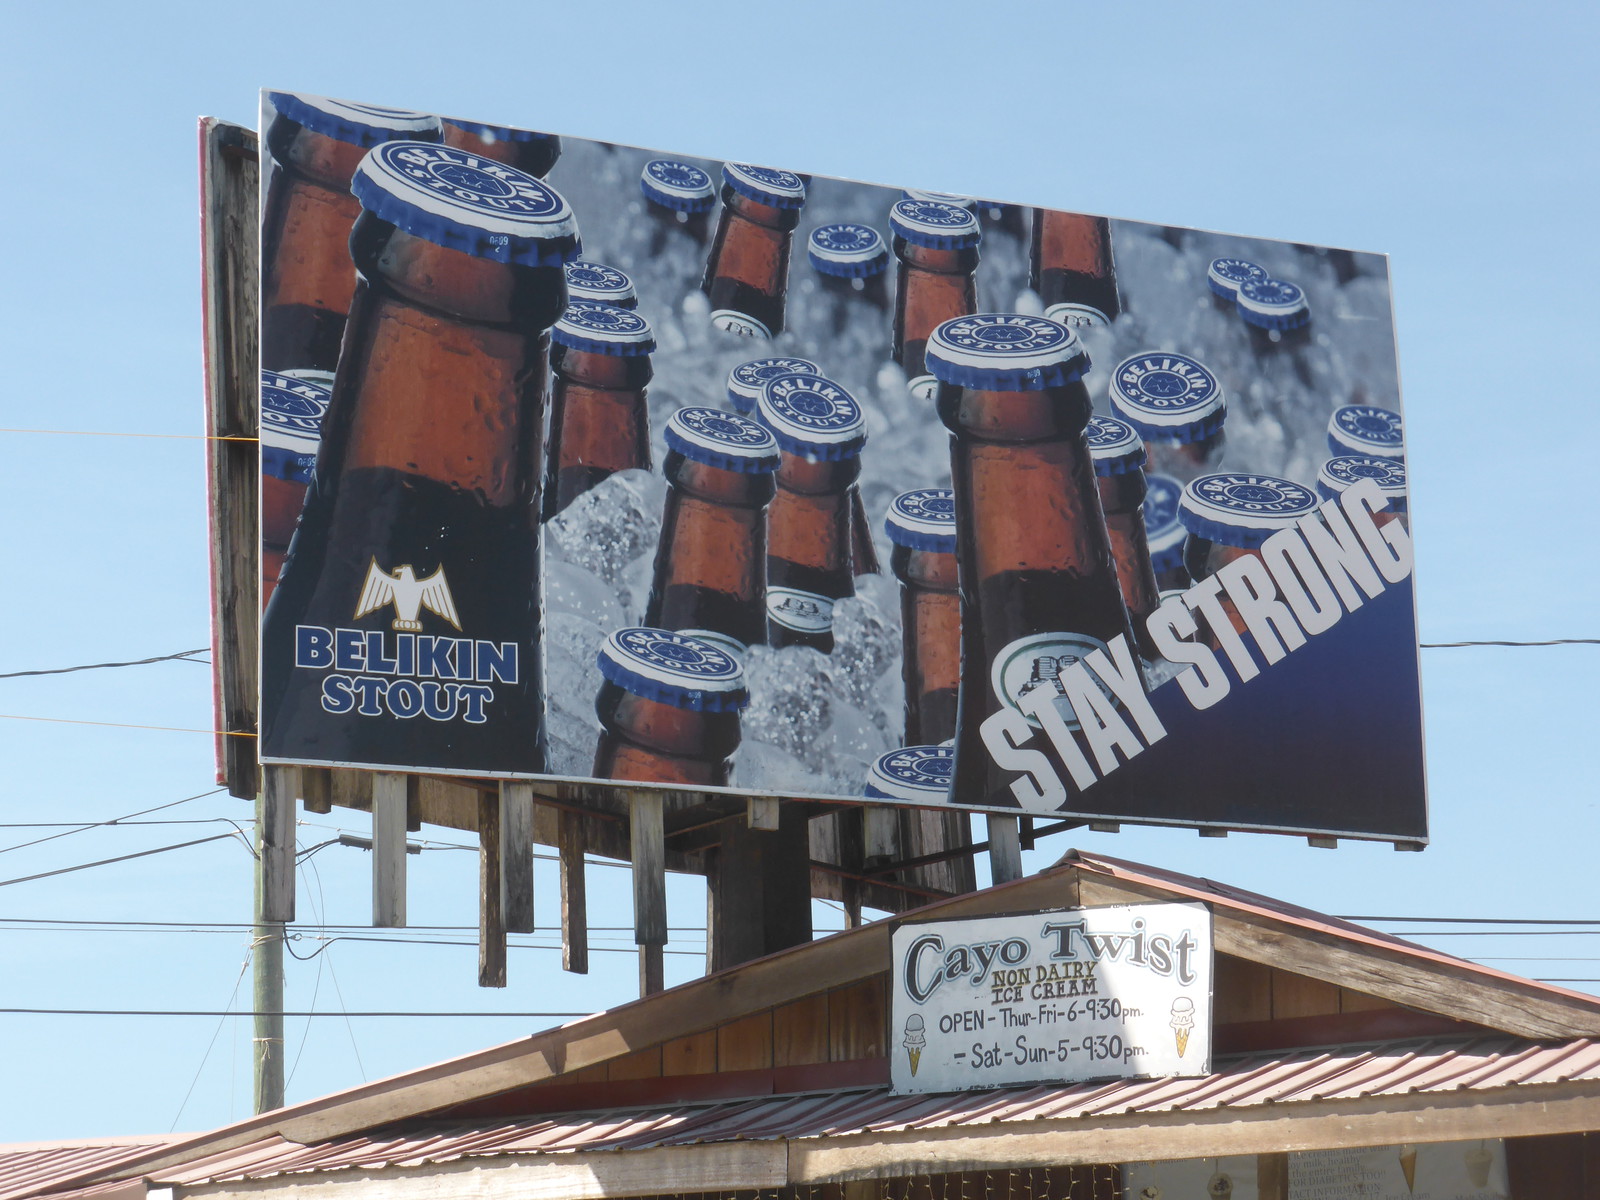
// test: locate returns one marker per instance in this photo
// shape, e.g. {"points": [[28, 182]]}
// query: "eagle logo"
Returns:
{"points": [[408, 594]]}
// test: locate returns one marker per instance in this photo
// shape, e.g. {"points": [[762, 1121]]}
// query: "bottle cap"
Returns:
{"points": [[502, 133], [603, 329], [812, 416], [913, 775], [1005, 352], [1226, 274], [674, 669], [291, 425], [847, 251], [723, 439], [934, 224], [465, 202], [1115, 446], [1168, 397], [596, 281], [747, 379], [1161, 525], [924, 519], [365, 125], [966, 202], [768, 185], [1273, 304], [1243, 510], [1337, 474], [680, 186], [1364, 429]]}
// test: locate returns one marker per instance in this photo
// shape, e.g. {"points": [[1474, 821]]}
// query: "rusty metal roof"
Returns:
{"points": [[1394, 1070], [28, 1167]]}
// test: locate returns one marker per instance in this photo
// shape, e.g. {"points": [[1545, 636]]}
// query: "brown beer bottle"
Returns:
{"points": [[922, 526], [1337, 475], [820, 431], [1118, 455], [852, 263], [937, 246], [599, 420], [1039, 588], [291, 430], [680, 197], [669, 709], [747, 273], [1165, 532], [412, 584], [524, 149], [307, 277], [600, 283], [710, 577], [1177, 406], [1072, 268]]}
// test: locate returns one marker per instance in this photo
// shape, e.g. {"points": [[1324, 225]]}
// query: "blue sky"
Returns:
{"points": [[1458, 139]]}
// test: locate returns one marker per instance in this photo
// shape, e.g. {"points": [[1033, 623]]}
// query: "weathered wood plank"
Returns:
{"points": [[858, 1017], [1298, 996], [648, 836], [1242, 990], [646, 1064], [388, 848], [491, 914], [880, 834], [759, 889], [1272, 1177], [745, 1045], [316, 789], [516, 855], [761, 812], [1005, 848], [693, 1055], [574, 895], [652, 968], [279, 785], [800, 1033]]}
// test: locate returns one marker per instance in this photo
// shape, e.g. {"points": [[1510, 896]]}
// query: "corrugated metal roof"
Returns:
{"points": [[1392, 1070], [27, 1167]]}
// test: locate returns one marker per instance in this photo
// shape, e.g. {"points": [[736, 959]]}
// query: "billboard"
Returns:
{"points": [[597, 464]]}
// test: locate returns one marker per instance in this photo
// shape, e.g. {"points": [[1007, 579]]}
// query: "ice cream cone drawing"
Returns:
{"points": [[1408, 1164], [916, 1039], [1479, 1159], [1183, 1024]]}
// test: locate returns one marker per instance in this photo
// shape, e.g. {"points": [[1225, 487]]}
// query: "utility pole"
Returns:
{"points": [[266, 956]]}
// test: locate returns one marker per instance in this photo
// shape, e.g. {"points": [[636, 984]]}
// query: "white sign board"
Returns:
{"points": [[1051, 997]]}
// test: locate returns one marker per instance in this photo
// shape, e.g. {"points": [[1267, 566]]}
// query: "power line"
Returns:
{"points": [[87, 825], [126, 725], [211, 1012], [1484, 920], [236, 926], [184, 656], [1551, 642], [105, 862], [186, 437]]}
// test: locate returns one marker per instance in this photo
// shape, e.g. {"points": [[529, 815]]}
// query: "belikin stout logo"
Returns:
{"points": [[408, 594]]}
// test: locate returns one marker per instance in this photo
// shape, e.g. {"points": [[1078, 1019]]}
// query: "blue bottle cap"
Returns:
{"points": [[934, 224], [847, 251], [1273, 304], [502, 133], [913, 775], [603, 329], [747, 379], [596, 281], [680, 186], [966, 202], [812, 416], [723, 439], [1226, 274], [1243, 510], [364, 125], [1364, 429], [1168, 397], [768, 185], [924, 519], [465, 202], [1005, 352], [1161, 525], [673, 668], [1115, 446], [291, 425], [1337, 474]]}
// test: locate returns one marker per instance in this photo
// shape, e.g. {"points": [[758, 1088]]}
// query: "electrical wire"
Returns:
{"points": [[1551, 642], [105, 862], [233, 1012], [186, 437], [184, 656], [84, 827], [126, 725]]}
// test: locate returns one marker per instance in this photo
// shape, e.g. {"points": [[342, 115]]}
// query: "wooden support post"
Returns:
{"points": [[316, 789], [652, 970], [266, 959], [648, 842], [491, 912], [761, 812], [574, 895], [389, 848], [1005, 849], [1272, 1176], [760, 889], [277, 843], [516, 855], [880, 834]]}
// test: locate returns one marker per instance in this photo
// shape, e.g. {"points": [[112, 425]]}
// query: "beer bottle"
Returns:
{"points": [[1178, 408], [747, 379], [1071, 267], [1038, 585], [710, 578], [669, 709], [937, 245], [917, 775], [599, 420], [600, 283], [1276, 314], [1224, 276], [291, 429], [1165, 532], [820, 431], [680, 199], [922, 526], [1118, 455], [524, 149], [1338, 474], [423, 522], [747, 273], [852, 261], [1366, 429], [306, 274]]}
